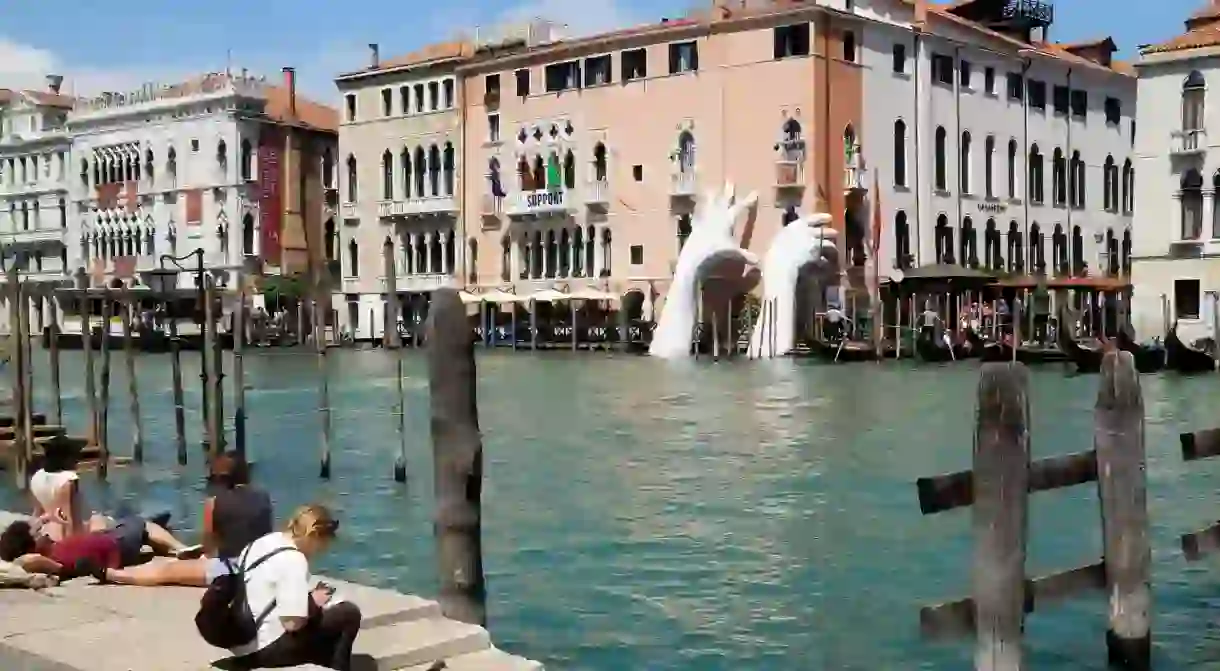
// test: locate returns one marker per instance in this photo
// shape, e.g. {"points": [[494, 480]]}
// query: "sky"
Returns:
{"points": [[120, 44]]}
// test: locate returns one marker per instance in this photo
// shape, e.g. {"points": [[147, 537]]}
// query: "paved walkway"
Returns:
{"points": [[83, 626]]}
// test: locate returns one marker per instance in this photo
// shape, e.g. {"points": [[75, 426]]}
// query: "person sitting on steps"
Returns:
{"points": [[304, 622], [82, 554], [236, 515]]}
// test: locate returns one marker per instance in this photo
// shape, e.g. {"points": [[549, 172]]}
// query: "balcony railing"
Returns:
{"points": [[1188, 141], [42, 234], [416, 207], [597, 193], [537, 202], [347, 210], [421, 282], [684, 184], [855, 178], [789, 174]]}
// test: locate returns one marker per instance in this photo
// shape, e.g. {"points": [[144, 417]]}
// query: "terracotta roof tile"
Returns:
{"points": [[40, 97], [309, 113], [429, 54], [1198, 38]]}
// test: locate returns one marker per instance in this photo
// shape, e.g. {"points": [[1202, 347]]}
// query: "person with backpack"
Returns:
{"points": [[269, 612]]}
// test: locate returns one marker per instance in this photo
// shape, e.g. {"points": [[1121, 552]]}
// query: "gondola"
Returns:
{"points": [[1087, 359], [1148, 358], [933, 349], [1002, 351], [1183, 358], [843, 350]]}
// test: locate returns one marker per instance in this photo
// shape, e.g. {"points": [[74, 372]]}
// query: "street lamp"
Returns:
{"points": [[165, 281]]}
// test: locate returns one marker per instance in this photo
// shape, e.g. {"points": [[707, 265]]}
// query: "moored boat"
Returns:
{"points": [[1183, 358], [1148, 358], [1086, 359]]}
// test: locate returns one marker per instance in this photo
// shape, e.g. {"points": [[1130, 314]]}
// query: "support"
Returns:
{"points": [[133, 389], [209, 334], [103, 424], [239, 368], [392, 340], [53, 304], [457, 451], [218, 372], [323, 389], [17, 357], [86, 337], [175, 353]]}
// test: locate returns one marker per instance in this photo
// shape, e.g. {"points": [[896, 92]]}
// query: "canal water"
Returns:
{"points": [[695, 516]]}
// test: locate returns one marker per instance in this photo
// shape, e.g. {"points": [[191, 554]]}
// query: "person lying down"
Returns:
{"points": [[86, 553]]}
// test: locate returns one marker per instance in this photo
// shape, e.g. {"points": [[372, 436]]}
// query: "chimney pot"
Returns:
{"points": [[290, 82], [374, 55], [54, 82]]}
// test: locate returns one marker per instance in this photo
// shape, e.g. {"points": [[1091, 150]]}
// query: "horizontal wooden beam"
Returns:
{"points": [[1200, 444], [955, 490], [1200, 543], [956, 618]]}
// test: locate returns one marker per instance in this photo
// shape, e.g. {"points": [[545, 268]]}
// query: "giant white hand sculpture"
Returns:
{"points": [[804, 242], [710, 241]]}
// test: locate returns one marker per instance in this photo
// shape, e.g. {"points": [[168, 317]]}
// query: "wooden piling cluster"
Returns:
{"points": [[998, 487]]}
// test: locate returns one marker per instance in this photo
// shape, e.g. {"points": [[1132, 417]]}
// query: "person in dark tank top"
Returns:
{"points": [[235, 514]]}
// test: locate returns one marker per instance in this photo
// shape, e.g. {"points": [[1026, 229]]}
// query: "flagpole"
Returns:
{"points": [[875, 289]]}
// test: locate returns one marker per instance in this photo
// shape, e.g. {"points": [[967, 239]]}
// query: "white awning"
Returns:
{"points": [[549, 296], [592, 294], [468, 298], [497, 296]]}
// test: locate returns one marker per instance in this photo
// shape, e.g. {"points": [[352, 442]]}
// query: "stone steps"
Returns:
{"points": [[491, 659]]}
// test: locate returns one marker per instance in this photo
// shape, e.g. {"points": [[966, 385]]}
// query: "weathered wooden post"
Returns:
{"points": [[17, 356], [53, 305], [457, 452], [133, 389], [393, 340], [1118, 438], [239, 366], [323, 385], [175, 354], [103, 433], [209, 334], [86, 335], [218, 374]]}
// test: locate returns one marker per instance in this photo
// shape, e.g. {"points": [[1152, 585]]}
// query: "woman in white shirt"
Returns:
{"points": [[59, 505], [297, 623]]}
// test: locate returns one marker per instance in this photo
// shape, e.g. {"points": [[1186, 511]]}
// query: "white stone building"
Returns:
{"points": [[994, 147], [34, 165], [1177, 233], [400, 140]]}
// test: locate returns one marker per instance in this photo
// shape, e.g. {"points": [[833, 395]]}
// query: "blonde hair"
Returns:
{"points": [[312, 521]]}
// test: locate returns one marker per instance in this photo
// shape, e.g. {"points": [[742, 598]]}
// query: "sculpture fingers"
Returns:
{"points": [[750, 258], [742, 205], [817, 220]]}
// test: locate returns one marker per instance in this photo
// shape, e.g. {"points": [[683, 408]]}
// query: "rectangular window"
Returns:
{"points": [[989, 81], [597, 70], [1080, 103], [350, 99], [1186, 297], [523, 83], [942, 68], [791, 40], [683, 57], [562, 76], [447, 93], [1060, 98], [491, 84], [964, 71], [900, 59], [493, 127], [1037, 94], [434, 96], [1016, 86], [404, 99], [418, 91], [637, 255], [387, 102], [1114, 111], [634, 64]]}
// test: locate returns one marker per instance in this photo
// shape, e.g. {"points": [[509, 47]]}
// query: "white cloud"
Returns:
{"points": [[23, 66], [582, 18]]}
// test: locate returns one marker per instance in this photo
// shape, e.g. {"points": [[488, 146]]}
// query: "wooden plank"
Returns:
{"points": [[457, 453], [1001, 515], [1118, 439], [1200, 444], [955, 490], [1201, 543], [956, 618]]}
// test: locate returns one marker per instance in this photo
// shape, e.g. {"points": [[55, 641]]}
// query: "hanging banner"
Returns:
{"points": [[194, 207], [270, 197]]}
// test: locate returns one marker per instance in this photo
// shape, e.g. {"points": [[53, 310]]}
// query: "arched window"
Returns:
{"points": [[965, 167], [792, 143], [1192, 205], [599, 162], [84, 173], [850, 147], [331, 239], [1126, 252], [1036, 261], [578, 248], [684, 229], [506, 258], [991, 239], [1059, 178], [569, 169], [525, 176], [536, 256], [942, 182], [1113, 262], [171, 165], [967, 250], [552, 254], [686, 152], [472, 272], [222, 156], [1059, 251], [989, 167], [1128, 187], [449, 166], [1079, 265], [247, 161], [434, 170], [900, 153], [1076, 193], [565, 254], [352, 191], [149, 165], [1016, 255], [606, 247], [1194, 91], [902, 241], [1012, 168], [1109, 185], [493, 177], [539, 172], [421, 172], [849, 46], [1037, 182], [590, 242], [328, 169], [63, 215], [387, 175], [247, 234], [404, 159], [1215, 213], [944, 240], [353, 259], [450, 253]]}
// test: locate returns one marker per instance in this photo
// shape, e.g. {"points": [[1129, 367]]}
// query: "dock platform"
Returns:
{"points": [[81, 625]]}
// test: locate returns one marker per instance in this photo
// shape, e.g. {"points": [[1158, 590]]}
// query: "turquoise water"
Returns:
{"points": [[698, 516]]}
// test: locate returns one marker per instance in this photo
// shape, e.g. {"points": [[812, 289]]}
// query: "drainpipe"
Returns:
{"points": [[919, 218], [1068, 120], [1026, 63], [459, 86], [962, 167]]}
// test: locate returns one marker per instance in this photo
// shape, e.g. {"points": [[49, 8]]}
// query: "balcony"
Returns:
{"points": [[855, 179], [348, 211], [1187, 142], [597, 193], [683, 184], [539, 202], [421, 282], [33, 236], [417, 207], [789, 174], [350, 285]]}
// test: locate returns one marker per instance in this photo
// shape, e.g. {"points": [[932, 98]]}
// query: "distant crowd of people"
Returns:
{"points": [[259, 601]]}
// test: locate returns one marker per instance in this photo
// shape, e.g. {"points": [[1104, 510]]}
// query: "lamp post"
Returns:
{"points": [[168, 278]]}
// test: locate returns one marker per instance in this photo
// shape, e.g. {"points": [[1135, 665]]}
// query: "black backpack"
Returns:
{"points": [[224, 619]]}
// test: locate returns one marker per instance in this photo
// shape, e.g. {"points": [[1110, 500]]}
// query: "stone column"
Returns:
{"points": [[1209, 209], [445, 269], [546, 255], [1175, 216], [428, 269], [594, 270], [575, 253]]}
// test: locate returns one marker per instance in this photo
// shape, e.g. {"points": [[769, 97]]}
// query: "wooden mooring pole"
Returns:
{"points": [[20, 453], [103, 432], [323, 386], [209, 333], [393, 341], [239, 367], [998, 488], [86, 335], [218, 373], [175, 356], [56, 385], [457, 452], [133, 387]]}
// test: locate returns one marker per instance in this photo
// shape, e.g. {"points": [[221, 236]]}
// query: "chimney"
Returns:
{"points": [[54, 82], [374, 56], [921, 14], [290, 83]]}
